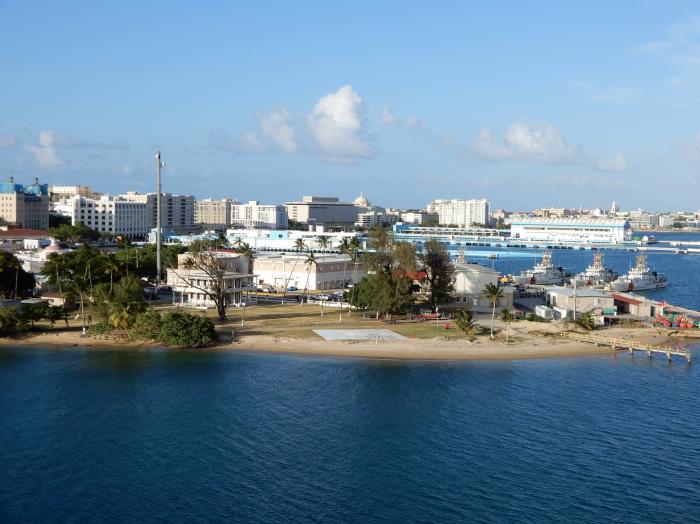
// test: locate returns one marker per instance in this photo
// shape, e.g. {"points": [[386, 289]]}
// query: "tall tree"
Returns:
{"points": [[439, 272], [493, 293], [14, 281], [310, 262], [507, 317]]}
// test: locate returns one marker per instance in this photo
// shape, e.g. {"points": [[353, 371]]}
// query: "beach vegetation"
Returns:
{"points": [[507, 316], [14, 281], [464, 320], [8, 322], [146, 326], [586, 321], [186, 329]]}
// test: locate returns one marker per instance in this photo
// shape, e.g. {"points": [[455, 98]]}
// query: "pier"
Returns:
{"points": [[618, 344]]}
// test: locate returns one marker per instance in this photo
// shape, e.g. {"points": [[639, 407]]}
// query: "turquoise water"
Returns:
{"points": [[156, 436]]}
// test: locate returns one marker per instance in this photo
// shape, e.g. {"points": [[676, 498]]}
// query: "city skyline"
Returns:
{"points": [[459, 102]]}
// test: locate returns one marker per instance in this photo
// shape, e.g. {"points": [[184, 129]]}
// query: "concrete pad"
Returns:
{"points": [[358, 334]]}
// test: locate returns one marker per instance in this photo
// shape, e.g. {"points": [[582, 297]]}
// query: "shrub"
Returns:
{"points": [[100, 329], [185, 329], [8, 322], [146, 326]]}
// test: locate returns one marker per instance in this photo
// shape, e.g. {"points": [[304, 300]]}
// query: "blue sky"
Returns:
{"points": [[525, 103]]}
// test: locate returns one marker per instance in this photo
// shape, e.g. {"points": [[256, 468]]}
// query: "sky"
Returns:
{"points": [[527, 104]]}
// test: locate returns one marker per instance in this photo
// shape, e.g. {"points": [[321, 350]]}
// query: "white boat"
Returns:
{"points": [[595, 275], [640, 278], [543, 273]]}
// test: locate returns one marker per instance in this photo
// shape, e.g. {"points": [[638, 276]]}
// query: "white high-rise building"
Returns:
{"points": [[460, 213], [177, 211], [255, 215], [614, 208], [108, 214]]}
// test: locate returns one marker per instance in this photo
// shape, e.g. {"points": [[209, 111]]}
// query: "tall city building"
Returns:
{"points": [[177, 211], [460, 213], [323, 210], [107, 214], [25, 206], [213, 213], [255, 215]]}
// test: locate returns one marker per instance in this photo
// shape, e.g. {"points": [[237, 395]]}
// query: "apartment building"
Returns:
{"points": [[212, 213], [108, 214], [460, 213], [323, 210], [177, 211]]}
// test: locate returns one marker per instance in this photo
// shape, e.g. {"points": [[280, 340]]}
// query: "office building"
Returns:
{"points": [[108, 214], [322, 210], [213, 214], [255, 215], [24, 206]]}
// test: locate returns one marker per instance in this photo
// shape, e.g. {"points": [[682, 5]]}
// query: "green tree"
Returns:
{"points": [[54, 314], [309, 262], [32, 313], [79, 233], [464, 320], [14, 281], [507, 316], [9, 322], [439, 271], [493, 293], [212, 268]]}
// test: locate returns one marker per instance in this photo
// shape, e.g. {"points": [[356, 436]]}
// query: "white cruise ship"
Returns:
{"points": [[542, 274], [596, 275], [640, 278]]}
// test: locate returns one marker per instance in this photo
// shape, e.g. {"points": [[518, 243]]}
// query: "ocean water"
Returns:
{"points": [[184, 436]]}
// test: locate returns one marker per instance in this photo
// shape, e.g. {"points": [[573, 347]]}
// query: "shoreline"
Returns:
{"points": [[435, 349]]}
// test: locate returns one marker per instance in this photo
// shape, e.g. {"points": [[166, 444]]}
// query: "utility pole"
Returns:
{"points": [[159, 240]]}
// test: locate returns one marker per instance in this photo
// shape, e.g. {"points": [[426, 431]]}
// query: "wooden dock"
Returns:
{"points": [[619, 344]]}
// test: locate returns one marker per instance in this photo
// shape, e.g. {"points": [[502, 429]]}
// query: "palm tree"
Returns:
{"points": [[464, 320], [322, 242], [507, 316], [354, 252], [299, 246], [586, 321], [310, 261], [244, 249], [493, 293], [345, 248], [111, 264]]}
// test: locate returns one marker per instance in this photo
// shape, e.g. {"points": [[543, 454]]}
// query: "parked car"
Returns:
{"points": [[269, 289], [292, 288]]}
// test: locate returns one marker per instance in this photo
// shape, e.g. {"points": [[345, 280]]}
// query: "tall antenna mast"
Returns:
{"points": [[159, 239]]}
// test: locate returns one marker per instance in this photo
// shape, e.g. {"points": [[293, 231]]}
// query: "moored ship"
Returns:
{"points": [[596, 275], [543, 273], [640, 278]]}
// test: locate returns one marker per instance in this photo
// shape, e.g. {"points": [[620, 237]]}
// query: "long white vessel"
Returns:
{"points": [[640, 278], [596, 275], [543, 273]]}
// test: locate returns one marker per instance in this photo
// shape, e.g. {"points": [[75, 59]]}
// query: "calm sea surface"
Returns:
{"points": [[156, 436]]}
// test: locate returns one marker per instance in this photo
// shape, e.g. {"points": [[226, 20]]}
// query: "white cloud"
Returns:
{"points": [[414, 123], [338, 124], [540, 143], [388, 117], [617, 164], [8, 141], [45, 152], [249, 142], [275, 126]]}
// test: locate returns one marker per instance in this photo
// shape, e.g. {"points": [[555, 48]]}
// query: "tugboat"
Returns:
{"points": [[640, 278], [596, 275], [543, 274]]}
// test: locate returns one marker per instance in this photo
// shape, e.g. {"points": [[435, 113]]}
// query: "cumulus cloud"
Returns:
{"points": [[338, 125], [414, 123], [387, 117], [617, 164], [45, 151], [275, 126], [542, 143], [250, 143], [692, 148], [8, 141]]}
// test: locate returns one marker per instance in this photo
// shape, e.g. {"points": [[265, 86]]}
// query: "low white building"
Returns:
{"points": [[287, 240], [190, 285], [329, 271], [469, 285], [255, 215], [579, 230]]}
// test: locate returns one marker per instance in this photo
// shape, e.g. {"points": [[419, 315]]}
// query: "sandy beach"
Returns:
{"points": [[528, 341]]}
